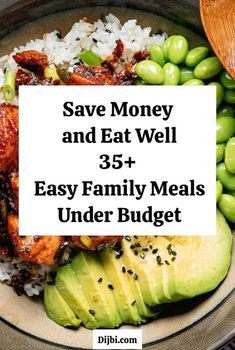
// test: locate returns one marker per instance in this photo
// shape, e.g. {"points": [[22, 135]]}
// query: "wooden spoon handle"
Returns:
{"points": [[218, 18]]}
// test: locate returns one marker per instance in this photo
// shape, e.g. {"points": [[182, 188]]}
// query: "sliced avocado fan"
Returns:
{"points": [[57, 308], [128, 283]]}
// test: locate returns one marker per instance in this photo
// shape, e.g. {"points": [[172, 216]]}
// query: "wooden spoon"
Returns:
{"points": [[218, 18]]}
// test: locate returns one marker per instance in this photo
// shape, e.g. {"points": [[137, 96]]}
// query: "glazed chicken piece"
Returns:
{"points": [[32, 60], [26, 78], [37, 250], [86, 75], [38, 246], [29, 78], [94, 241], [98, 75], [43, 249], [8, 137]]}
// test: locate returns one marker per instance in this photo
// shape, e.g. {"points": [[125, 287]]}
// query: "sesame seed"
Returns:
{"points": [[27, 250], [92, 312], [142, 255], [154, 251], [95, 41], [132, 246], [130, 272], [174, 253], [100, 280], [135, 237], [119, 254], [138, 245], [145, 249], [167, 262], [123, 268], [135, 276], [158, 258], [150, 246], [58, 34], [108, 31], [173, 258], [136, 252], [128, 238], [169, 246], [133, 302], [109, 285]]}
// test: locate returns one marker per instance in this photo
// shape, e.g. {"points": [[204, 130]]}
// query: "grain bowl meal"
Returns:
{"points": [[103, 282]]}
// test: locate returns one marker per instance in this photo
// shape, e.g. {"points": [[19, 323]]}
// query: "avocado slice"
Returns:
{"points": [[149, 259], [200, 269], [122, 290], [199, 264], [133, 278], [141, 253], [57, 309], [91, 275], [71, 290], [168, 269]]}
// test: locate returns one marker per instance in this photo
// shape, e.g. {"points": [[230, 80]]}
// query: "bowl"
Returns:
{"points": [[23, 20]]}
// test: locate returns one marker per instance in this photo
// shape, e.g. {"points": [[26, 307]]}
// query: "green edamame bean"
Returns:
{"points": [[165, 46], [226, 178], [150, 71], [196, 55], [207, 68], [219, 190], [227, 206], [226, 110], [226, 80], [229, 158], [172, 74], [178, 49], [229, 96], [220, 148], [194, 82], [139, 81], [225, 128], [186, 74], [219, 92], [156, 54]]}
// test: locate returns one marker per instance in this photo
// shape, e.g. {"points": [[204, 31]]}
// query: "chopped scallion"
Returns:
{"points": [[90, 58], [9, 85]]}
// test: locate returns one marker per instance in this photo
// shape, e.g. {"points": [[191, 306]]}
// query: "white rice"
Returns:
{"points": [[100, 37], [10, 267]]}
